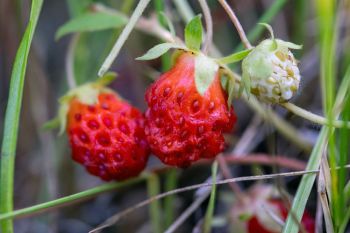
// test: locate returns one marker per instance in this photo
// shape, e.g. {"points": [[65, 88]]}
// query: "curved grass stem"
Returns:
{"points": [[141, 6], [12, 117], [208, 25], [236, 22], [313, 117]]}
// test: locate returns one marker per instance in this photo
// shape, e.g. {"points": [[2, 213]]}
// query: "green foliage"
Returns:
{"points": [[153, 187], [235, 57], [210, 209], [8, 149], [205, 71], [78, 7], [92, 21], [158, 51], [193, 33]]}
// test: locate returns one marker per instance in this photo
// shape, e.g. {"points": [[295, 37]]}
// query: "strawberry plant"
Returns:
{"points": [[256, 125]]}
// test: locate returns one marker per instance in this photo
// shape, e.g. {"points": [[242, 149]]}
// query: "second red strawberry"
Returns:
{"points": [[183, 126]]}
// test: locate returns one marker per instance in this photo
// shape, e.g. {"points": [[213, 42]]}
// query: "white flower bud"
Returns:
{"points": [[271, 71]]}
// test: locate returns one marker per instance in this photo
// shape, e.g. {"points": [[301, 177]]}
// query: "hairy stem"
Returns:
{"points": [[236, 22], [208, 25]]}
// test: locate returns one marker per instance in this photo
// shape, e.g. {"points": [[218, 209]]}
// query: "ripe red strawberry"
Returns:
{"points": [[254, 226], [105, 132], [183, 126]]}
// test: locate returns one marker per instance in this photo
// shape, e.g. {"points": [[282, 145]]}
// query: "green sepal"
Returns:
{"points": [[235, 57], [288, 44], [51, 124], [245, 85], [230, 91], [204, 72], [193, 33], [158, 51], [228, 84], [245, 217], [87, 94]]}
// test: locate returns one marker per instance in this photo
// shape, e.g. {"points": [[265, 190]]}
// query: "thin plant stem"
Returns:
{"points": [[141, 6], [117, 217], [211, 205], [74, 198], [227, 174], [171, 182], [186, 214], [263, 159], [184, 9], [70, 73], [267, 17], [54, 204], [153, 188], [208, 26], [237, 24], [313, 117]]}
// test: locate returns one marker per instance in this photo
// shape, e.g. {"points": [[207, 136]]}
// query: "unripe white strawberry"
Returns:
{"points": [[270, 71]]}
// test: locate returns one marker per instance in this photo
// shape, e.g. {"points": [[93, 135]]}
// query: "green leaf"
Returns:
{"points": [[89, 22], [76, 8], [193, 33], [288, 44], [52, 124], [210, 210], [235, 57], [205, 71], [107, 78], [158, 51], [230, 91], [245, 84], [12, 117]]}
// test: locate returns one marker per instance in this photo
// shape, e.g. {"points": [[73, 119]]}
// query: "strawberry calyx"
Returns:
{"points": [[87, 94], [206, 68]]}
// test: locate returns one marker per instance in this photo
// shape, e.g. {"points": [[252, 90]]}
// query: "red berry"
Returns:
{"points": [[254, 226], [107, 137], [181, 125]]}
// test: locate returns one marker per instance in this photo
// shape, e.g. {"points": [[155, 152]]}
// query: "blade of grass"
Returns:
{"points": [[170, 184], [325, 11], [74, 198], [210, 209], [12, 116], [307, 181], [344, 138], [141, 6], [153, 188]]}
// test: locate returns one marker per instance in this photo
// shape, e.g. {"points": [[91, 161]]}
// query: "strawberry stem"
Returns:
{"points": [[237, 24], [208, 25], [141, 6]]}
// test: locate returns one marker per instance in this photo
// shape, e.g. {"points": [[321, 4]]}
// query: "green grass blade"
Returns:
{"points": [[12, 116], [170, 184], [307, 181], [153, 187], [210, 210], [74, 198]]}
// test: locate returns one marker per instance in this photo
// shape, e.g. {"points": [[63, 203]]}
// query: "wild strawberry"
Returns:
{"points": [[105, 132], [257, 212], [183, 125], [270, 71]]}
